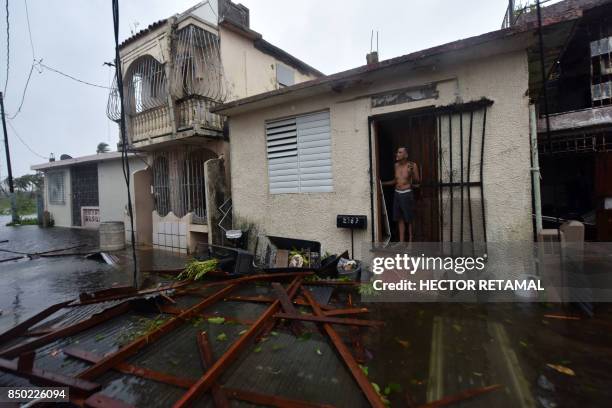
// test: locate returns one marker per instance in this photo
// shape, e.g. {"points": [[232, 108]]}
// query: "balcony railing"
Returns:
{"points": [[192, 113]]}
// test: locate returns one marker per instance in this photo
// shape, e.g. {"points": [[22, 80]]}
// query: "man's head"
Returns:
{"points": [[401, 154]]}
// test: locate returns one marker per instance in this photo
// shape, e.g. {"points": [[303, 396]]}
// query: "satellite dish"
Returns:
{"points": [[65, 157]]}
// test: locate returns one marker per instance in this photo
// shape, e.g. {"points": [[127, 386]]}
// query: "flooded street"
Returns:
{"points": [[29, 285]]}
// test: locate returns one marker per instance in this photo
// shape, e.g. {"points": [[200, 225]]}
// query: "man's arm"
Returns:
{"points": [[390, 183]]}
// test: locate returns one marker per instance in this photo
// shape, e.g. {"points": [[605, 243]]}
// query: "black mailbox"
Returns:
{"points": [[352, 221]]}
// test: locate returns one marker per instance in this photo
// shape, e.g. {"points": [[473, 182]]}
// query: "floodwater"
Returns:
{"points": [[27, 286], [432, 351], [425, 352]]}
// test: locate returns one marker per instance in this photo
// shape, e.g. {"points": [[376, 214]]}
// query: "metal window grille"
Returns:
{"points": [[299, 154], [584, 142], [179, 184], [145, 88], [161, 187], [84, 189], [197, 65], [55, 182]]}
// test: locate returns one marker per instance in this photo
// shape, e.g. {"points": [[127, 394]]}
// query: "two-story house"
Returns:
{"points": [[174, 72]]}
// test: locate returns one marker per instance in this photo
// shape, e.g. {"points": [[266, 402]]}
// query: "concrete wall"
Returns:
{"points": [[112, 193], [248, 70], [501, 78], [61, 214]]}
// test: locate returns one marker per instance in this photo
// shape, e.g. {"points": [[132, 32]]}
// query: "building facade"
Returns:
{"points": [[174, 73], [87, 190]]}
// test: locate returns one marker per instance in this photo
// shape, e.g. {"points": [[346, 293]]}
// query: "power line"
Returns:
{"points": [[23, 94], [29, 28], [70, 76], [8, 46], [23, 142]]}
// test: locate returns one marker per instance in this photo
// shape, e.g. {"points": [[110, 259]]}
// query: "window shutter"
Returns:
{"points": [[314, 153], [281, 139], [299, 154]]}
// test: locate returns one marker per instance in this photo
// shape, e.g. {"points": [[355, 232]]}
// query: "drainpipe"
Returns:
{"points": [[535, 168]]}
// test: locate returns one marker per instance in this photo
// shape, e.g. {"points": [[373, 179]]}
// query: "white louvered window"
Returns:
{"points": [[299, 154]]}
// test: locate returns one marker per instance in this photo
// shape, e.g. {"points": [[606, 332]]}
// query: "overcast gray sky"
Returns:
{"points": [[76, 36]]}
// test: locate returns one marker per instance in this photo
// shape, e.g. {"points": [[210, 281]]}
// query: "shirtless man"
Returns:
{"points": [[406, 177]]}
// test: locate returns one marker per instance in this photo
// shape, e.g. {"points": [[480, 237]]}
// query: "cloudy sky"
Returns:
{"points": [[60, 115]]}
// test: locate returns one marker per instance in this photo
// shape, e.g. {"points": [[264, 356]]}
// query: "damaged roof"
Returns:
{"points": [[558, 13]]}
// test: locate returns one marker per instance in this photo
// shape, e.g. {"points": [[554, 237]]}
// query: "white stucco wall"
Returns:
{"points": [[248, 70], [61, 213], [112, 192], [501, 78]]}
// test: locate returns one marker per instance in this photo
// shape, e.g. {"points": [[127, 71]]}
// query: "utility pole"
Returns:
{"points": [[8, 164]]}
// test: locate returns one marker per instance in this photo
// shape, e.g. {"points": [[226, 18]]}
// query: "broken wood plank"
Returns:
{"points": [[112, 359], [267, 299], [169, 309], [211, 375], [94, 320], [219, 397], [39, 376], [131, 369], [102, 401], [25, 362], [296, 327], [349, 311], [331, 320], [462, 396], [561, 317], [270, 400], [282, 258], [18, 330], [358, 374]]}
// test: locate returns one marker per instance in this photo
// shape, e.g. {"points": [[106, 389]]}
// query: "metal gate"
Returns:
{"points": [[451, 191], [84, 189], [461, 156]]}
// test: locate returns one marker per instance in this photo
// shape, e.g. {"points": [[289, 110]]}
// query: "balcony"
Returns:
{"points": [[193, 118]]}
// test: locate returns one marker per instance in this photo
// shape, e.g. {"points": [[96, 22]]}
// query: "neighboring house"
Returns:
{"points": [[576, 161], [174, 72], [304, 154], [87, 190]]}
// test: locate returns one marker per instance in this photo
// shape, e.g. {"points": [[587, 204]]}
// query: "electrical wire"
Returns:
{"points": [[40, 63], [29, 29], [124, 142], [23, 95], [8, 46], [24, 143]]}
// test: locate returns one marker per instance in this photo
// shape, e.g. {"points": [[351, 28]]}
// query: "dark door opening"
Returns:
{"points": [[419, 135], [84, 186]]}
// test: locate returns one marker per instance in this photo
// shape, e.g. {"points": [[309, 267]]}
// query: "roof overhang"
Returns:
{"points": [[94, 158], [558, 29]]}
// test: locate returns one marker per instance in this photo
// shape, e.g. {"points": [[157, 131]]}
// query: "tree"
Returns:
{"points": [[102, 148]]}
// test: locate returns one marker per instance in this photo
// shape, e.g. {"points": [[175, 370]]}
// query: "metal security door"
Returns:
{"points": [[84, 186], [461, 153]]}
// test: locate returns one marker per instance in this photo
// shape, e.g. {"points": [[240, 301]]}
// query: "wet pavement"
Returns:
{"points": [[424, 352], [28, 285]]}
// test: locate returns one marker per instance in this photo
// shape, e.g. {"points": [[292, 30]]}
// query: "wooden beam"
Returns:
{"points": [[211, 375], [270, 400], [112, 359], [296, 327], [18, 330], [38, 376], [219, 397], [358, 374], [331, 320], [131, 369], [462, 396], [67, 331], [349, 311]]}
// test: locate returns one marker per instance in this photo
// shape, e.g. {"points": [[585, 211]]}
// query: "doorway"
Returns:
{"points": [[418, 134], [448, 145], [84, 186]]}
